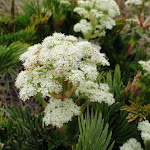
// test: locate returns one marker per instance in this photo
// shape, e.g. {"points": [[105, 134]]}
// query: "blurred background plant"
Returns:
{"points": [[137, 24]]}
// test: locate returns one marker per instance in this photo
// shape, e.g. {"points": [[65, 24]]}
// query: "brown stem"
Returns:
{"points": [[84, 105], [67, 94], [40, 99], [78, 99], [12, 10], [68, 87], [146, 27], [12, 15], [57, 96], [72, 91], [142, 14]]}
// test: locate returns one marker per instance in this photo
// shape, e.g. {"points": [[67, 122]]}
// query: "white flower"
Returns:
{"points": [[91, 54], [22, 79], [75, 76], [82, 12], [38, 80], [107, 22], [90, 72], [86, 4], [33, 50], [98, 12], [135, 2], [27, 91], [109, 6], [144, 126], [30, 58], [59, 58], [131, 144], [58, 66], [145, 65], [132, 20], [71, 38], [83, 26], [60, 111], [95, 44], [95, 92], [65, 3]]}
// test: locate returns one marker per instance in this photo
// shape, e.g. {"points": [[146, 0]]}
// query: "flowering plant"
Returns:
{"points": [[131, 144], [58, 68], [97, 16], [144, 127], [145, 65]]}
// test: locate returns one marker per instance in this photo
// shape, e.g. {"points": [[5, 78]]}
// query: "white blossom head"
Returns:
{"points": [[97, 15], [59, 67], [83, 26], [58, 58], [131, 144], [60, 111], [96, 92], [144, 127], [145, 65]]}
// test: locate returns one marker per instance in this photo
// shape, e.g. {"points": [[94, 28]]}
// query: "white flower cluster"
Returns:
{"points": [[58, 112], [95, 92], [144, 126], [145, 65], [83, 26], [132, 20], [133, 2], [65, 3], [58, 66], [99, 13], [38, 80], [58, 56], [131, 144]]}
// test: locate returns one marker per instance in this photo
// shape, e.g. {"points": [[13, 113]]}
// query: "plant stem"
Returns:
{"points": [[13, 14], [142, 14], [147, 145], [78, 99], [40, 99], [84, 105], [68, 94]]}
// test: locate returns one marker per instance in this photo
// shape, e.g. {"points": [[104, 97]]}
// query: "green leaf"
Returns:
{"points": [[93, 134], [9, 60], [115, 83], [24, 130]]}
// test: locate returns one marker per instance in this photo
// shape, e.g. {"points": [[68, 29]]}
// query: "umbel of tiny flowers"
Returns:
{"points": [[58, 68], [144, 127], [97, 16], [131, 144], [145, 65]]}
